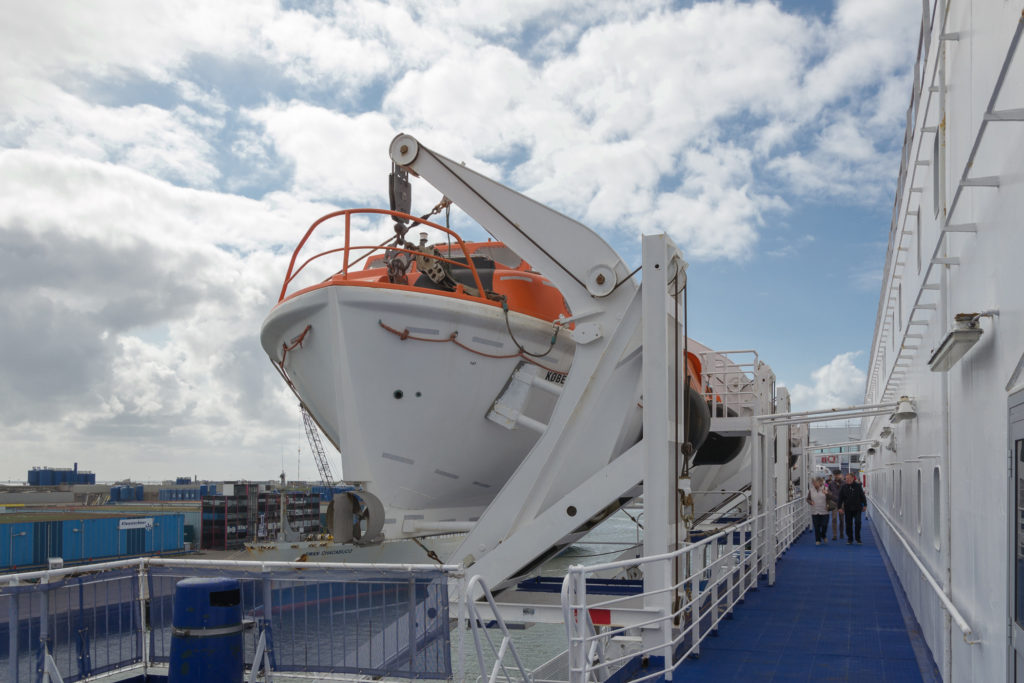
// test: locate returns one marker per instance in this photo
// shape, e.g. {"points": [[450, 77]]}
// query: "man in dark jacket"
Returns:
{"points": [[852, 501]]}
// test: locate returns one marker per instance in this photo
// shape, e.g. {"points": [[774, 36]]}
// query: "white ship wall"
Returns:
{"points": [[945, 481]]}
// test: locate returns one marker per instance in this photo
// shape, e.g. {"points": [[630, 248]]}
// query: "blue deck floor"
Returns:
{"points": [[832, 615]]}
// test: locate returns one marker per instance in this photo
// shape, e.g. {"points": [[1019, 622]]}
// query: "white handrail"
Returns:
{"points": [[506, 640], [48, 575], [946, 602], [732, 569]]}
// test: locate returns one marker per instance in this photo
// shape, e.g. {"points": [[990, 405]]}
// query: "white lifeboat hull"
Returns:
{"points": [[409, 416]]}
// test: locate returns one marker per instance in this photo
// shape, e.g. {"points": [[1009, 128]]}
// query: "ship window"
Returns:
{"points": [[936, 507], [917, 238], [935, 174], [501, 254], [899, 305], [899, 492], [919, 501]]}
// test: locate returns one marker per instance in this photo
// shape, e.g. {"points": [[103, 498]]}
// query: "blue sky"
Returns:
{"points": [[159, 160]]}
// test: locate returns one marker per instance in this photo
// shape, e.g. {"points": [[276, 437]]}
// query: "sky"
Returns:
{"points": [[160, 160]]}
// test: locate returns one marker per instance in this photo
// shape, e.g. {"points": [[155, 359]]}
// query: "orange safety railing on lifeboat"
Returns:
{"points": [[293, 272]]}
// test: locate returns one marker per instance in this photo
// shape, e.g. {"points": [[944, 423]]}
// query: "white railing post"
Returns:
{"points": [[143, 589], [698, 563], [665, 627], [713, 577], [731, 566], [44, 627], [460, 672], [571, 609], [12, 636]]}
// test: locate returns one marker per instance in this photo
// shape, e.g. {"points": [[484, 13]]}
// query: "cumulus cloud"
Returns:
{"points": [[135, 274], [840, 383]]}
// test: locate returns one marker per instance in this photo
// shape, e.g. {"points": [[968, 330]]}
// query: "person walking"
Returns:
{"points": [[852, 501], [817, 498], [833, 487]]}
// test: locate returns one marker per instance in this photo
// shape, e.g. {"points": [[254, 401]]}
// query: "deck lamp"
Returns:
{"points": [[965, 333], [904, 410]]}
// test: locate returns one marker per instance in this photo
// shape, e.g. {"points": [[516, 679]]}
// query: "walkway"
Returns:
{"points": [[832, 615]]}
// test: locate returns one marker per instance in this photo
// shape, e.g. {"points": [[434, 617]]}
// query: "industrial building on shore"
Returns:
{"points": [[62, 516]]}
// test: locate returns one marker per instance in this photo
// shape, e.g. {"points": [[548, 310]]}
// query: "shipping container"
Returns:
{"points": [[30, 544]]}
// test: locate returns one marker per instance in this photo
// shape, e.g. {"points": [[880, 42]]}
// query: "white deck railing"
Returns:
{"points": [[944, 599], [711, 577], [93, 620]]}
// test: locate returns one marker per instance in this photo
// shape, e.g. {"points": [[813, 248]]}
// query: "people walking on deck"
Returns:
{"points": [[833, 487], [852, 501], [817, 498]]}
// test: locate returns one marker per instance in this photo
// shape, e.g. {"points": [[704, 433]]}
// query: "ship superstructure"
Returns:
{"points": [[945, 469]]}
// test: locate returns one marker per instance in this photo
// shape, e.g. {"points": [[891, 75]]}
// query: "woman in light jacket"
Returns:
{"points": [[817, 499]]}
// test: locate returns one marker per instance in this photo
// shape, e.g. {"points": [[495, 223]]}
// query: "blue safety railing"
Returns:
{"points": [[365, 620]]}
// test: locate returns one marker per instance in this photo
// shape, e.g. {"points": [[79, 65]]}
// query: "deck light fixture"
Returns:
{"points": [[904, 410], [965, 333]]}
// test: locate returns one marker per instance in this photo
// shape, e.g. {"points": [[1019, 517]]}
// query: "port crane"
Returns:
{"points": [[323, 465]]}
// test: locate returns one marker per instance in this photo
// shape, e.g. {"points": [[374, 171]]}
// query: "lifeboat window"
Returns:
{"points": [[452, 251], [501, 254], [936, 508]]}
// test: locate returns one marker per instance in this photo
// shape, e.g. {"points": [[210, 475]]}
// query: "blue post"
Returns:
{"points": [[206, 642]]}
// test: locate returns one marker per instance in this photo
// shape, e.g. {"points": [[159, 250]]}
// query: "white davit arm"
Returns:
{"points": [[575, 258]]}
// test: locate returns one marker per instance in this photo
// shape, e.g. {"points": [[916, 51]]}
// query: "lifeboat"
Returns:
{"points": [[401, 353]]}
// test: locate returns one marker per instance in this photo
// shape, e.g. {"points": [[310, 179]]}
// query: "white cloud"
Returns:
{"points": [[133, 289], [715, 212], [334, 156], [840, 383], [132, 313]]}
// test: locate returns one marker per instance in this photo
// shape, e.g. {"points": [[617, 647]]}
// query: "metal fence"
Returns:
{"points": [[707, 579], [326, 619]]}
